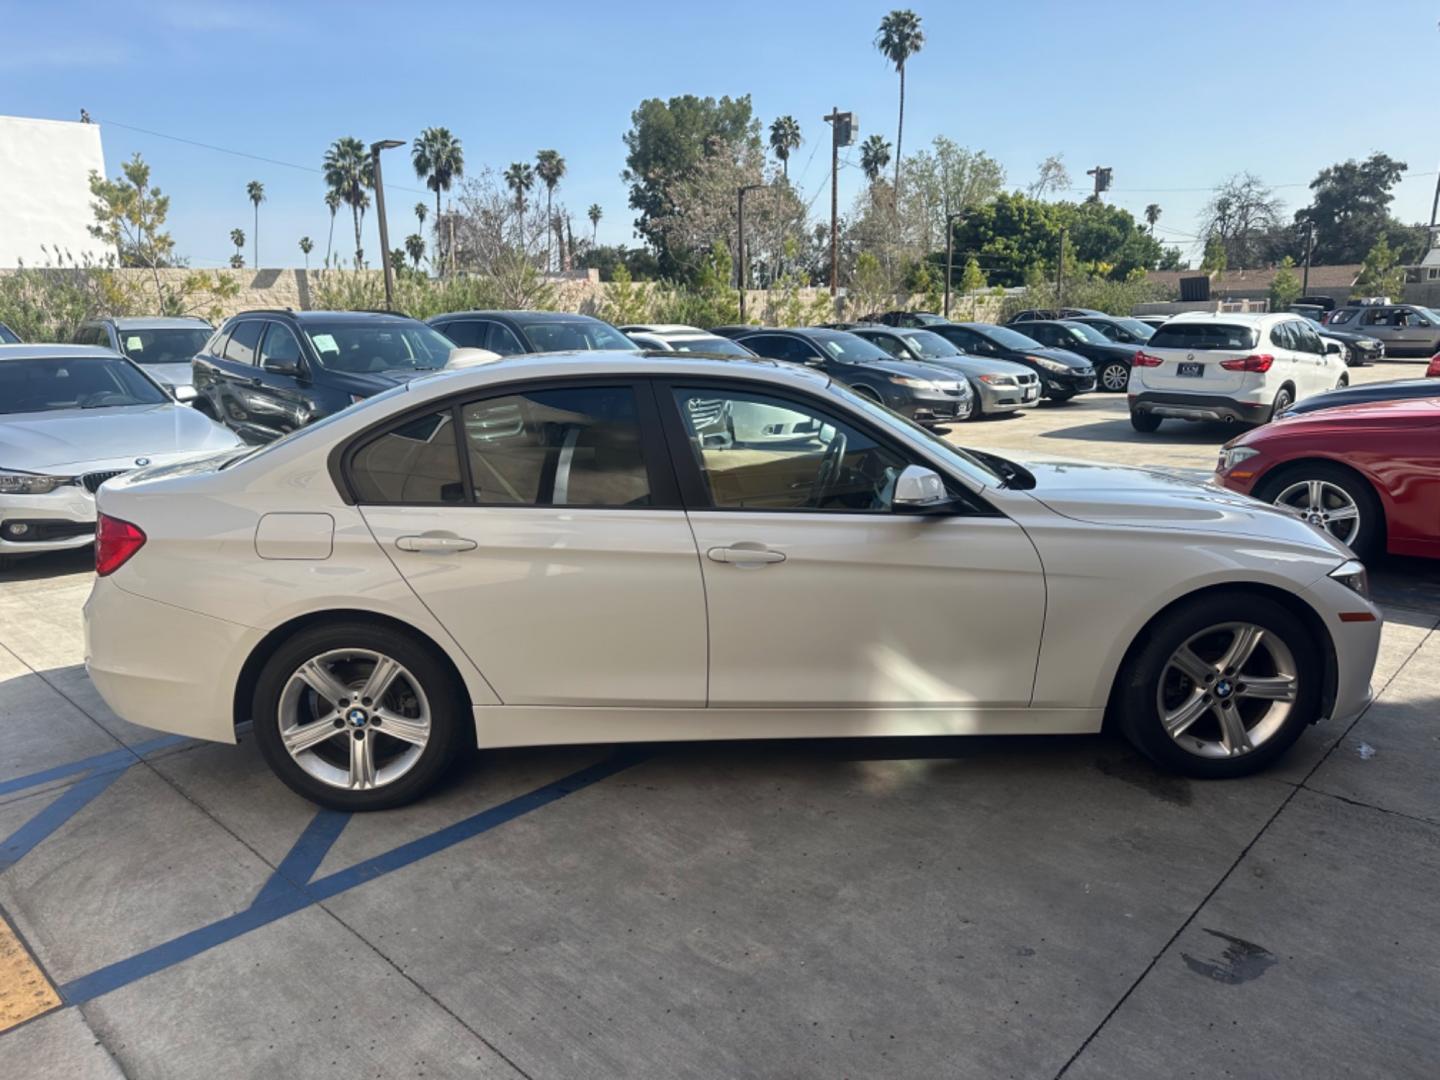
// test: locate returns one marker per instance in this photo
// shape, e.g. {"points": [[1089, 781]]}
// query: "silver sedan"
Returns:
{"points": [[999, 385]]}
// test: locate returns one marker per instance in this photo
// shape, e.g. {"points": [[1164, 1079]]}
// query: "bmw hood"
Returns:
{"points": [[68, 439], [1143, 498]]}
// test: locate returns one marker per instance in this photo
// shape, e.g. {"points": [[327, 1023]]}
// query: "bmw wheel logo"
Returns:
{"points": [[142, 461]]}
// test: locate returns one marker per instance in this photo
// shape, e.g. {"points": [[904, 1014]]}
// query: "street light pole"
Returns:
{"points": [[842, 133], [375, 148], [950, 220], [1060, 269], [741, 277]]}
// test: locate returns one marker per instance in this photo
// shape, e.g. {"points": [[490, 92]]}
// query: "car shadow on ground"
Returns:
{"points": [[50, 564], [1171, 433]]}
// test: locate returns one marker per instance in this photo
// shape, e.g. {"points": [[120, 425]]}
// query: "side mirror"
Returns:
{"points": [[184, 394], [919, 490], [1332, 348], [281, 367]]}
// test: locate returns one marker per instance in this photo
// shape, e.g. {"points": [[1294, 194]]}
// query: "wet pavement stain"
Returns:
{"points": [[1134, 770], [1242, 961]]}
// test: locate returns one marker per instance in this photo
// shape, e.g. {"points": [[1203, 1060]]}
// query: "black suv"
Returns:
{"points": [[264, 373], [911, 319], [511, 332]]}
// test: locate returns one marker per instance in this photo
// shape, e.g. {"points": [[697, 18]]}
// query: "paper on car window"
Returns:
{"points": [[325, 343], [134, 344]]}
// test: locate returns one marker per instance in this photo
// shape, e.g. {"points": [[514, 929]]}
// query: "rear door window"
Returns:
{"points": [[1282, 337], [1187, 335], [502, 340], [415, 463], [465, 333], [243, 342]]}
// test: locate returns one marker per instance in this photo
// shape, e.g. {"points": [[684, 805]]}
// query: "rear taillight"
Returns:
{"points": [[1434, 369], [1144, 359], [115, 542], [1258, 362]]}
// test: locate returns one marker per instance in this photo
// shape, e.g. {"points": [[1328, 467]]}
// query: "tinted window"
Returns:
{"points": [[563, 335], [91, 382], [891, 345], [1376, 316], [417, 462], [1010, 339], [1086, 333], [1281, 337], [1043, 333], [1342, 316], [241, 346], [776, 347], [571, 447], [756, 452], [364, 346], [168, 346], [1306, 339], [1197, 335], [847, 347], [280, 344], [465, 333], [720, 345], [8, 336], [929, 344], [502, 340], [90, 335]]}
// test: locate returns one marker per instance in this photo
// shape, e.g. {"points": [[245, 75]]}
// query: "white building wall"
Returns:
{"points": [[45, 168]]}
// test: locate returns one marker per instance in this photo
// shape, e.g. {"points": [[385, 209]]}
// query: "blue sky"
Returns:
{"points": [[1173, 96]]}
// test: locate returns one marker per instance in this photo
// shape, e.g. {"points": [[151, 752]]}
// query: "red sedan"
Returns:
{"points": [[1370, 474]]}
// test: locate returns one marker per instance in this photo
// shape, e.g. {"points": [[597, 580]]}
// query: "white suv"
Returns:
{"points": [[1217, 366]]}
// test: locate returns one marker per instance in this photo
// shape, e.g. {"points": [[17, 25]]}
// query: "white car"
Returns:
{"points": [[562, 549], [677, 337], [72, 417], [1230, 367]]}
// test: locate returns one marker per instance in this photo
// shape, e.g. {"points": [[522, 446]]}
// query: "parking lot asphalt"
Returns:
{"points": [[1016, 907]]}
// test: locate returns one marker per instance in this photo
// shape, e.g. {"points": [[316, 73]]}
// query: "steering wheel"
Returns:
{"points": [[829, 470]]}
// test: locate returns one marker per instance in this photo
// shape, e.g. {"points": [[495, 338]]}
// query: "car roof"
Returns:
{"points": [[1242, 318], [618, 362], [532, 316], [154, 322], [54, 352], [665, 329]]}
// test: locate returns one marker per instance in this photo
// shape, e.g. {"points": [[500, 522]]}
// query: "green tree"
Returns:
{"points": [[1350, 209], [1284, 286], [421, 210], [550, 168], [415, 248], [595, 214], [520, 178], [1052, 175], [1380, 273], [237, 237], [439, 160], [306, 246], [899, 38], [874, 156], [972, 279], [350, 173], [332, 203], [255, 191], [625, 301], [666, 145], [1152, 215], [130, 217], [784, 137], [1213, 261]]}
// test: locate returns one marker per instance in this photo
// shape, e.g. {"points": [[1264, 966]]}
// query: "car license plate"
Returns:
{"points": [[1031, 393], [1194, 371]]}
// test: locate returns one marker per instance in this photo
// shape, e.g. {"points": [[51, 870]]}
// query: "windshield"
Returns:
{"points": [[1135, 326], [1009, 339], [82, 382], [929, 344], [363, 347], [565, 335], [170, 346], [723, 346], [8, 336], [961, 460], [1204, 335], [848, 347], [1087, 333]]}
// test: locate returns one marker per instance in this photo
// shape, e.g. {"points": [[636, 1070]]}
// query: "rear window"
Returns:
{"points": [[1185, 335]]}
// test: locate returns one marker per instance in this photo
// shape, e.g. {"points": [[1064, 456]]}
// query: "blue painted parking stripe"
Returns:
{"points": [[281, 902], [74, 799], [121, 758], [300, 864]]}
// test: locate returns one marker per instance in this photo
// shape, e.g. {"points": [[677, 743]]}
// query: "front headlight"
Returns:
{"points": [[1051, 365], [913, 383], [18, 483], [999, 380], [1351, 574], [1230, 456]]}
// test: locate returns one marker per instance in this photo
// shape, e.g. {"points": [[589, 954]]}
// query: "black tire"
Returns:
{"points": [[1059, 397], [1370, 540], [1145, 422], [1284, 398], [451, 728], [1138, 686], [1113, 377]]}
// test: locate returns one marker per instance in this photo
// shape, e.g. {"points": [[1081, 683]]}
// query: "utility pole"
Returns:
{"points": [[1102, 174], [1060, 269], [1309, 234], [741, 277], [842, 133], [950, 219], [375, 148], [1435, 205]]}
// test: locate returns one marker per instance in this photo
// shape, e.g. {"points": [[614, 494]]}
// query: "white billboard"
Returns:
{"points": [[45, 168]]}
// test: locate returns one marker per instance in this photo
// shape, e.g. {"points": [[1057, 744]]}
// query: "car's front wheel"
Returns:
{"points": [[1332, 498], [355, 716], [1115, 376], [1221, 686]]}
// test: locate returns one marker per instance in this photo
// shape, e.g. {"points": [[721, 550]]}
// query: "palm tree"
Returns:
{"points": [[784, 137], [350, 171], [900, 38], [439, 160], [874, 156], [550, 167], [305, 248], [1152, 215], [415, 247], [237, 237], [520, 178], [420, 211], [595, 214], [256, 190], [332, 203]]}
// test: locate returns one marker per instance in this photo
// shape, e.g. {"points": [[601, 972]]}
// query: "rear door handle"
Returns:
{"points": [[742, 555], [441, 543]]}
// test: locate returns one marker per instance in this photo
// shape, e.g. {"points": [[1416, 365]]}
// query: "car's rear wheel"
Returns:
{"points": [[1283, 400], [1331, 498], [1115, 376], [354, 716], [1144, 421], [1221, 687]]}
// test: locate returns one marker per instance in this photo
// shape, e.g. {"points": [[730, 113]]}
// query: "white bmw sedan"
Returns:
{"points": [[72, 417], [615, 547]]}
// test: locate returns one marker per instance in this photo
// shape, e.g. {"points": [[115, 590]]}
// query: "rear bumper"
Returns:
{"points": [[1199, 407]]}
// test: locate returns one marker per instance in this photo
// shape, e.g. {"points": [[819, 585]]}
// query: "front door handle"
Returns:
{"points": [[441, 543], [745, 555]]}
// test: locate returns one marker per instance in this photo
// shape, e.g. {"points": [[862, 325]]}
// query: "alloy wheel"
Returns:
{"points": [[354, 719], [1227, 690], [1325, 505], [1115, 377]]}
